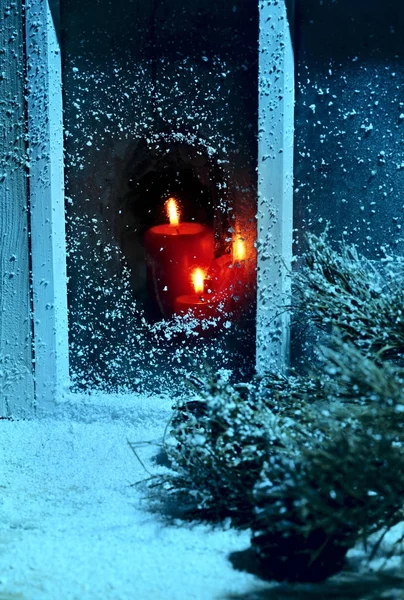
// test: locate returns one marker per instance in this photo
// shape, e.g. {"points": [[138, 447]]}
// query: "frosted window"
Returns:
{"points": [[349, 121], [160, 100]]}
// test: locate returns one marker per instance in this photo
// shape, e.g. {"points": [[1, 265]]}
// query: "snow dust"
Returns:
{"points": [[73, 525]]}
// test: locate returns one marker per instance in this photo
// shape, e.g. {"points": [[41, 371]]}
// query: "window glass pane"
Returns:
{"points": [[349, 151], [349, 126], [160, 101]]}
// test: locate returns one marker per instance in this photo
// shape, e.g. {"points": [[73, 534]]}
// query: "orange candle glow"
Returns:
{"points": [[198, 280], [173, 212], [172, 251], [239, 251], [239, 275]]}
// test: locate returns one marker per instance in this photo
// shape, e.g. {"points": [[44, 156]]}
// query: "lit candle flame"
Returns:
{"points": [[198, 280], [173, 212], [239, 248]]}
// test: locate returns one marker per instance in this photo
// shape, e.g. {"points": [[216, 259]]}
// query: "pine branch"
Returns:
{"points": [[343, 290]]}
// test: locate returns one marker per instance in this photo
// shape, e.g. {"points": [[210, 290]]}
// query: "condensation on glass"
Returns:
{"points": [[160, 100]]}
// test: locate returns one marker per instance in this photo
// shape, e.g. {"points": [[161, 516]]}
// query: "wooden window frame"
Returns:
{"points": [[47, 208]]}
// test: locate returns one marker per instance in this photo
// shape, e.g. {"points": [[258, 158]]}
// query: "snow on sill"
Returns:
{"points": [[130, 408], [75, 527]]}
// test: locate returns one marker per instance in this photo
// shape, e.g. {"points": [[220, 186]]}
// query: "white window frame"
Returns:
{"points": [[48, 238]]}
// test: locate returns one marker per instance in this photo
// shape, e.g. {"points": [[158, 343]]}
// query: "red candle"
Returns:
{"points": [[201, 305], [172, 252]]}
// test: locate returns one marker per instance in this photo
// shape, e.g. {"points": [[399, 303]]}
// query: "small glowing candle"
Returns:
{"points": [[230, 279], [200, 305], [230, 269], [172, 251]]}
